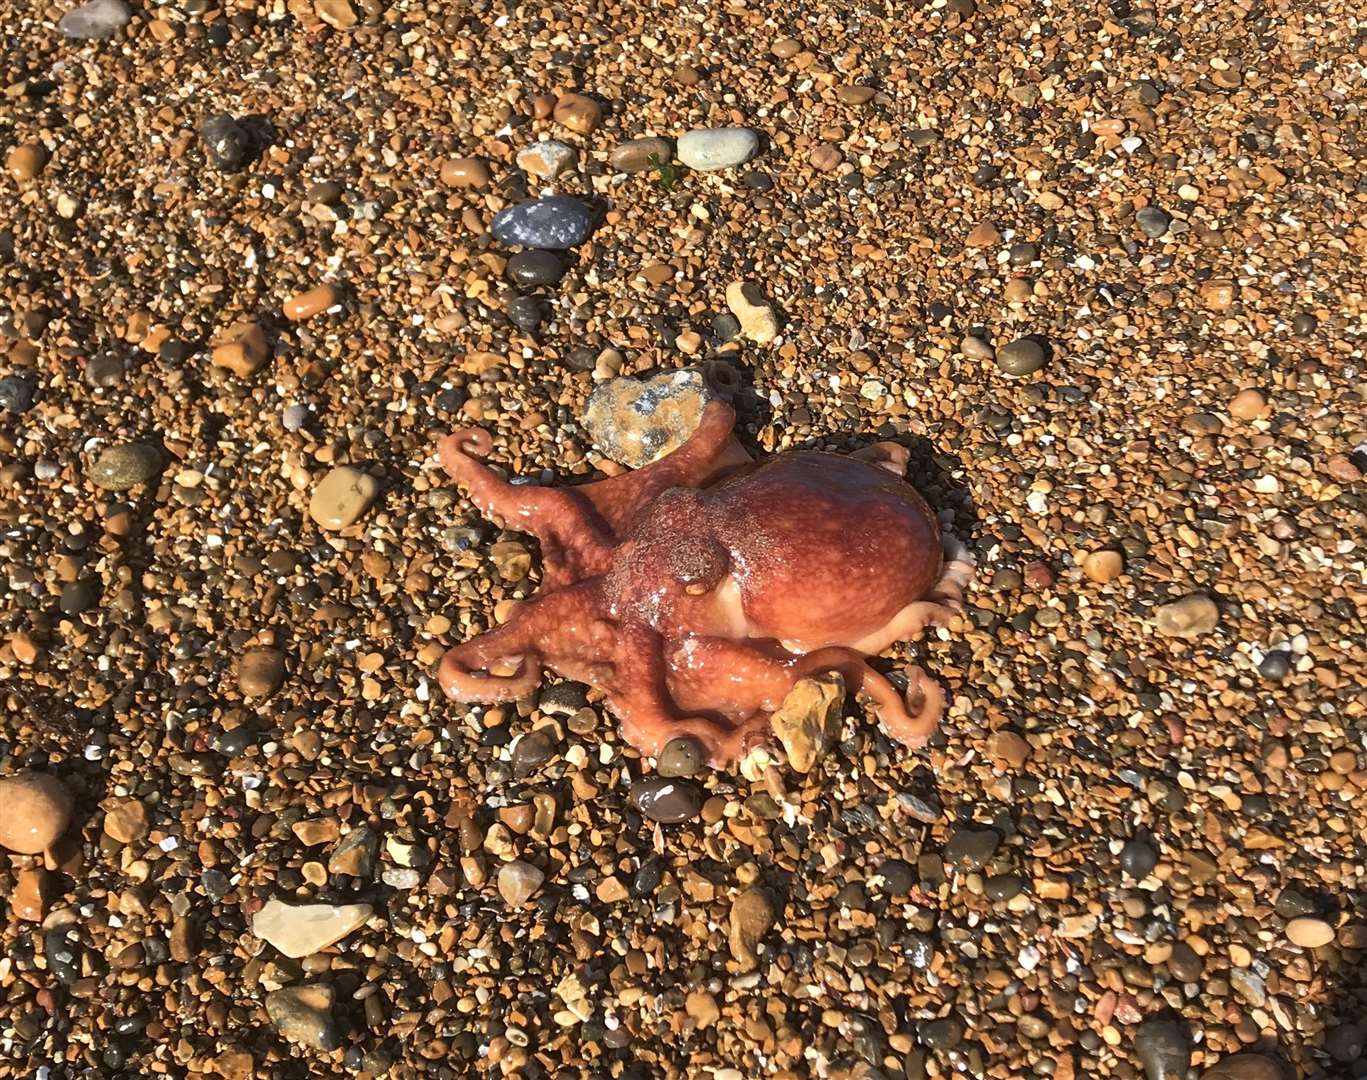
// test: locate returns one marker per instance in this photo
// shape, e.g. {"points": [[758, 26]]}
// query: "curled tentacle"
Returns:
{"points": [[474, 671]]}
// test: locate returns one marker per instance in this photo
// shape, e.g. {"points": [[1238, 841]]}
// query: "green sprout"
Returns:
{"points": [[665, 172]]}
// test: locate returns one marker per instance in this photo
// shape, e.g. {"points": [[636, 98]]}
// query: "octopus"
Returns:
{"points": [[695, 592]]}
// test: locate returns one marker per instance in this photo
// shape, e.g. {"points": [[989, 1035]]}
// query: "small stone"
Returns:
{"points": [[553, 223], [98, 20], [126, 821], [228, 144], [758, 320], [534, 749], [1304, 324], [944, 1034], [1138, 858], [125, 466], [260, 672], [809, 719], [1021, 357], [578, 112], [341, 497], [1008, 749], [325, 192], [28, 901], [1022, 254], [303, 1015], [898, 877], [1191, 617], [635, 422], [25, 161], [824, 158], [517, 880], [971, 849], [315, 301], [79, 596], [338, 14], [294, 417], [533, 268], [1103, 566], [184, 939], [355, 855], [37, 811], [706, 149], [666, 800], [1017, 291], [466, 172], [1309, 932], [1248, 405], [1217, 294], [299, 930], [975, 348], [1163, 1046], [1339, 466], [1152, 222], [547, 159], [752, 915], [1245, 1067], [1276, 665], [855, 95], [527, 313], [18, 392], [701, 1007], [983, 235], [242, 349], [315, 831], [683, 755], [638, 155]]}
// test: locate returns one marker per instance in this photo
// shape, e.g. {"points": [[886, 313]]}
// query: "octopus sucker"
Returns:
{"points": [[696, 591]]}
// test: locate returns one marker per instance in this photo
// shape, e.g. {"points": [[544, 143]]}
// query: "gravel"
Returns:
{"points": [[1196, 431]]}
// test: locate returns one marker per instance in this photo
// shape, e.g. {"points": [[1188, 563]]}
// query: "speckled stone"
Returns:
{"points": [[126, 466], [553, 223]]}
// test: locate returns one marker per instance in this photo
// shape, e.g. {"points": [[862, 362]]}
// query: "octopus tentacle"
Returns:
{"points": [[711, 449], [469, 671], [894, 457], [646, 710], [575, 541]]}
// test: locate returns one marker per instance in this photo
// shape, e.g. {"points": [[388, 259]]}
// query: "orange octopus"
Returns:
{"points": [[695, 591]]}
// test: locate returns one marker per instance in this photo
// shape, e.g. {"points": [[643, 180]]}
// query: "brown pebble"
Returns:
{"points": [[126, 820], [984, 235], [466, 172], [1342, 469], [242, 349], [1103, 566], [341, 497], [824, 158], [1309, 932], [1248, 405], [1009, 749], [687, 75], [578, 112], [315, 301], [1217, 294], [260, 672], [28, 902], [855, 95], [752, 914], [338, 14], [25, 161], [37, 810]]}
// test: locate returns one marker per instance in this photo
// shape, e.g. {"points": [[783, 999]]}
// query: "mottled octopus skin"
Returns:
{"points": [[694, 592]]}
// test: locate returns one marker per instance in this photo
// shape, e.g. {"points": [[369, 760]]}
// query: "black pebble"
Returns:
{"points": [[1276, 665], [898, 877], [1304, 324], [527, 313], [17, 393], [665, 800], [1138, 858], [726, 326], [218, 35], [757, 181], [79, 596], [532, 268]]}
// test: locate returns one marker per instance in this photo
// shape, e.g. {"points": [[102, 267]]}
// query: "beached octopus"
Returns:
{"points": [[695, 591]]}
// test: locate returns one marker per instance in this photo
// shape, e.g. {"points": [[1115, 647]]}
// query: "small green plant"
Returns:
{"points": [[665, 172]]}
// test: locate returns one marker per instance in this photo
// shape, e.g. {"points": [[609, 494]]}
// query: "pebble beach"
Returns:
{"points": [[1099, 268]]}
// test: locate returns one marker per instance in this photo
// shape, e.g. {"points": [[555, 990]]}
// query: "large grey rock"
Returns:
{"points": [[553, 223], [98, 20], [717, 148]]}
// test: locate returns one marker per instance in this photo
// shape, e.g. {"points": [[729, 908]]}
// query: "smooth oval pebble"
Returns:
{"points": [[1190, 617], [1309, 932], [641, 154], [665, 800], [532, 268], [553, 223], [342, 496], [1245, 1067], [125, 466], [25, 161], [97, 20], [36, 811], [315, 301], [260, 672], [683, 755], [705, 149], [466, 172], [1020, 357]]}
